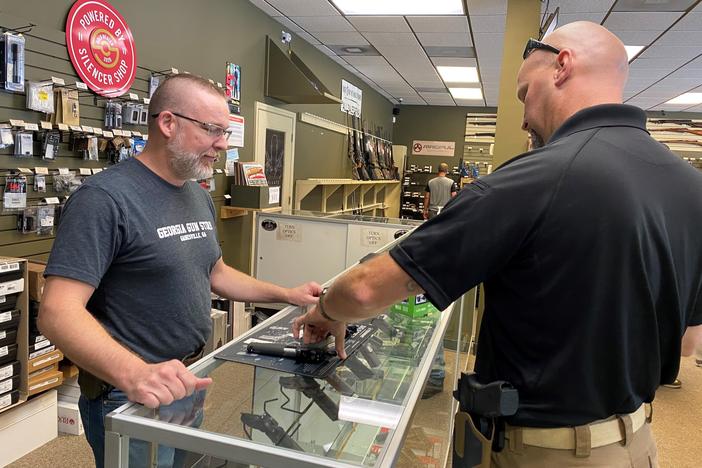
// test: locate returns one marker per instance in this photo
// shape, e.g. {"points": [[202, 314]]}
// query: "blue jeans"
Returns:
{"points": [[187, 412]]}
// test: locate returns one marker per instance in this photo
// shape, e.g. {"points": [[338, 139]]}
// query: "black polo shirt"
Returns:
{"points": [[591, 254]]}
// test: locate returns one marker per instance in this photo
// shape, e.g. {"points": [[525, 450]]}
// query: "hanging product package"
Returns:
{"points": [[27, 220], [92, 152], [40, 97], [12, 58], [40, 183], [6, 138], [45, 220], [24, 144], [50, 146], [70, 107], [15, 196], [67, 183]]}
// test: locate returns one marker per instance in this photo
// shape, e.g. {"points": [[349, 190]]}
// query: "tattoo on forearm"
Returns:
{"points": [[411, 286]]}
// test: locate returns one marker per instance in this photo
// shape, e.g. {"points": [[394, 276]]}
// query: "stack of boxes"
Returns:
{"points": [[43, 357], [11, 285]]}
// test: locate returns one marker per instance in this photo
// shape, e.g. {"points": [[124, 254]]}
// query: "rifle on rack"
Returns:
{"points": [[358, 150], [371, 156]]}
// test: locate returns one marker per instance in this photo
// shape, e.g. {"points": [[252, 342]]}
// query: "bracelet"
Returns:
{"points": [[321, 307]]}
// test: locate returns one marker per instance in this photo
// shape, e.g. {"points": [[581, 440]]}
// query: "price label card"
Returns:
{"points": [[147, 101], [58, 81], [17, 123], [87, 129], [63, 127], [219, 171], [145, 137], [76, 128], [108, 134], [210, 80], [81, 85], [46, 125], [24, 170], [85, 171], [63, 171], [137, 134], [219, 85], [227, 196], [52, 200], [31, 126], [126, 133], [98, 131], [96, 170], [133, 96], [41, 170], [117, 132], [174, 71]]}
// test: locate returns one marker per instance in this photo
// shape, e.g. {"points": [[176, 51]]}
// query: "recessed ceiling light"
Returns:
{"points": [[459, 74], [632, 50], [400, 7], [473, 94], [687, 99]]}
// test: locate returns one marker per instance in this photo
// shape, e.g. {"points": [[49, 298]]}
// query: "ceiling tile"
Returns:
{"points": [[364, 60], [579, 6], [565, 18], [691, 21], [380, 23], [640, 21], [487, 7], [304, 7], [292, 27], [308, 37], [445, 39], [683, 38], [391, 39], [448, 24], [323, 23], [341, 38], [653, 5], [488, 23], [465, 52], [267, 9], [641, 38], [454, 62]]}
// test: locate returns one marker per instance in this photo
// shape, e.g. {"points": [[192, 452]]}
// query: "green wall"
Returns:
{"points": [[435, 123], [198, 37]]}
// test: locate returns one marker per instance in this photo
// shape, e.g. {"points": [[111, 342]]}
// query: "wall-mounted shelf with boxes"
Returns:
{"points": [[368, 197], [414, 184]]}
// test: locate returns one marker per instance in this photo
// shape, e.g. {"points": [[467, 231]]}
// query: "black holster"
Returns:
{"points": [[478, 425]]}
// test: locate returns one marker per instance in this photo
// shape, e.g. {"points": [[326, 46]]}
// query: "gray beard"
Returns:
{"points": [[536, 140], [186, 165]]}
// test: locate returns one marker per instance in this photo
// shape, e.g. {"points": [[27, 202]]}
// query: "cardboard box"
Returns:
{"points": [[69, 389], [45, 382], [36, 280], [27, 427], [44, 371], [414, 306], [219, 330], [44, 361], [69, 421], [252, 196], [69, 371]]}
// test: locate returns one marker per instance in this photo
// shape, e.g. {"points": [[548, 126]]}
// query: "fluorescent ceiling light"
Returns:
{"points": [[687, 99], [400, 7], [632, 50], [473, 94], [459, 74]]}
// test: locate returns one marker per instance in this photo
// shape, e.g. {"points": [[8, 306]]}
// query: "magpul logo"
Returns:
{"points": [[101, 47]]}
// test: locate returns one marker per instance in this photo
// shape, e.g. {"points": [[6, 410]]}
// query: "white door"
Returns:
{"points": [[275, 148]]}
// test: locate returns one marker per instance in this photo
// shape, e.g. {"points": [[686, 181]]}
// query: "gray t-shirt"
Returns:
{"points": [[440, 189], [148, 248]]}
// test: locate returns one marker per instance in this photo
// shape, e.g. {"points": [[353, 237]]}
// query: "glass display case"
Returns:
{"points": [[362, 413]]}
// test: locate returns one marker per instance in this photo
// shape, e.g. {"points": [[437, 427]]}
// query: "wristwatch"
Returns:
{"points": [[321, 307]]}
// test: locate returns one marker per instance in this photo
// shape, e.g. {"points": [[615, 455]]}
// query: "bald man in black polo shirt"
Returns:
{"points": [[590, 254]]}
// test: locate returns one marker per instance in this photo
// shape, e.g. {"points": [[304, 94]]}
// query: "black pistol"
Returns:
{"points": [[312, 390]]}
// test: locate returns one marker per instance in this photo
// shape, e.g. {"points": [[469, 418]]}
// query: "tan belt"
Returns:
{"points": [[565, 438]]}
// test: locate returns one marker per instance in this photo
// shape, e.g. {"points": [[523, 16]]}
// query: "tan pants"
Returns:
{"points": [[640, 453]]}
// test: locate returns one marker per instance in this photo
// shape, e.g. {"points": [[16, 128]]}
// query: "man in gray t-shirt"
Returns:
{"points": [[439, 191], [127, 294]]}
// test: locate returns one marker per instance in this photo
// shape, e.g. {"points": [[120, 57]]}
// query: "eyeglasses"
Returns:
{"points": [[533, 44], [213, 130]]}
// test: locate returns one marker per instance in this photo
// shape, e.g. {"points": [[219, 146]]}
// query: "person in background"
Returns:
{"points": [[438, 192], [136, 257], [592, 274]]}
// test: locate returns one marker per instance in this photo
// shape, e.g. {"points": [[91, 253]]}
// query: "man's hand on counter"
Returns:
{"points": [[154, 385], [315, 328]]}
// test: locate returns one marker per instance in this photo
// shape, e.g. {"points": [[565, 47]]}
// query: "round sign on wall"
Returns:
{"points": [[101, 47]]}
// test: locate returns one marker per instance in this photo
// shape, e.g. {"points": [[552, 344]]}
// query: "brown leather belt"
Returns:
{"points": [[193, 357]]}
